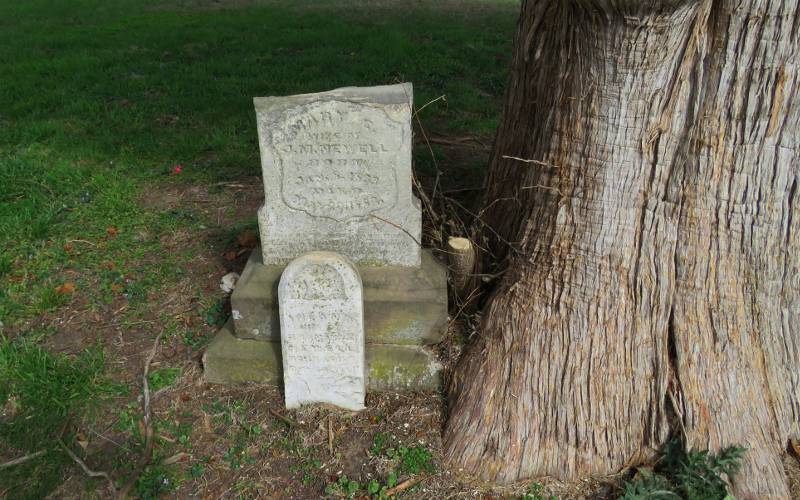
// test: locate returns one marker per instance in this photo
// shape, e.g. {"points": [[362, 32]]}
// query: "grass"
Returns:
{"points": [[99, 101], [42, 395], [163, 377]]}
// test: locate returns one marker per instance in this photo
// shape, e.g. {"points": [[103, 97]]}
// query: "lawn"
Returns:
{"points": [[105, 245]]}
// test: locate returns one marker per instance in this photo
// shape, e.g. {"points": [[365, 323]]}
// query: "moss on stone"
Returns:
{"points": [[230, 360]]}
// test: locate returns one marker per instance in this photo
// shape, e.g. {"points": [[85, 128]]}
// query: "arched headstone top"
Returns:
{"points": [[319, 276], [321, 311]]}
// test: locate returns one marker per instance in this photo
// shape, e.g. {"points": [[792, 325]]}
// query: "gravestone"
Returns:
{"points": [[322, 332], [337, 178], [337, 175]]}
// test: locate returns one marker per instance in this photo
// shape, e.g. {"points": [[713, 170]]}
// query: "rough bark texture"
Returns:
{"points": [[652, 246]]}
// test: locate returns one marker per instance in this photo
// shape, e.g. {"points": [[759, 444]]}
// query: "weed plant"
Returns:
{"points": [[686, 474]]}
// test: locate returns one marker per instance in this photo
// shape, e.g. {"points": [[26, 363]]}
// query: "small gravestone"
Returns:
{"points": [[322, 331], [337, 175]]}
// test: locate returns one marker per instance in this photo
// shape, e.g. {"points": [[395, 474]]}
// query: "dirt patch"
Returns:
{"points": [[216, 441], [224, 202]]}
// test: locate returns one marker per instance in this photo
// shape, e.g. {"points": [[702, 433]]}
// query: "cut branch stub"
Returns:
{"points": [[461, 255]]}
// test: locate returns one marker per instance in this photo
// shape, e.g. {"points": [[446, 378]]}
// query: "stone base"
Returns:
{"points": [[229, 360], [402, 305]]}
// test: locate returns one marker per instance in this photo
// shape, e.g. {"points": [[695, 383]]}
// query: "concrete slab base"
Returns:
{"points": [[229, 360]]}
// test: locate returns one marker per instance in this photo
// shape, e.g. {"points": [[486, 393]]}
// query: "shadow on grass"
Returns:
{"points": [[147, 84]]}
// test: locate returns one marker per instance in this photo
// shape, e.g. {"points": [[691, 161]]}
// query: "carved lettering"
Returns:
{"points": [[337, 175], [329, 161]]}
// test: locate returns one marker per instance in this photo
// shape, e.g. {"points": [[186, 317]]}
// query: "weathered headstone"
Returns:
{"points": [[337, 175], [322, 331], [337, 178]]}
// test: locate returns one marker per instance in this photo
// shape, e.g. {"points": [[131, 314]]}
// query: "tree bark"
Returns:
{"points": [[642, 197]]}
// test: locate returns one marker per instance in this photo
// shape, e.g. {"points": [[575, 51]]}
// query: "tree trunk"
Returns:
{"points": [[651, 246]]}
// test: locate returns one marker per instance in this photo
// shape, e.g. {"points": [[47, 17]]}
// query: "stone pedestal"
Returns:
{"points": [[231, 360], [405, 309], [402, 305]]}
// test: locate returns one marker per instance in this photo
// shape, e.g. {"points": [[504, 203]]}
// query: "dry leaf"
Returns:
{"points": [[108, 265], [117, 288], [67, 288], [82, 440], [11, 407], [247, 239], [112, 231], [67, 247], [230, 256]]}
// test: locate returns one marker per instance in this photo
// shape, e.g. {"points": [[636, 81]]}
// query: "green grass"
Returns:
{"points": [[150, 86], [163, 377], [99, 100], [536, 491], [42, 395]]}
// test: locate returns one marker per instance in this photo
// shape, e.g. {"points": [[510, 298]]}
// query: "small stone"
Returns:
{"points": [[228, 282], [321, 309]]}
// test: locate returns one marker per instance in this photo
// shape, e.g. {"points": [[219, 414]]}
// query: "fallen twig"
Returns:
{"points": [[178, 457], [330, 436], [82, 241], [469, 141], [101, 436], [230, 184], [408, 483], [147, 455], [536, 162], [22, 460], [542, 186], [286, 420], [89, 472], [441, 97]]}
